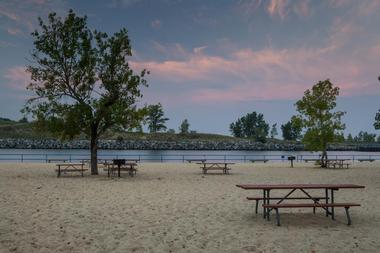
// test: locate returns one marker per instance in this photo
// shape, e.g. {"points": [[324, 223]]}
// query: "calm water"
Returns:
{"points": [[42, 155]]}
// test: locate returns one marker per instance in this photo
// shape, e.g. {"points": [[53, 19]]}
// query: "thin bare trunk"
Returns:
{"points": [[324, 159], [94, 152]]}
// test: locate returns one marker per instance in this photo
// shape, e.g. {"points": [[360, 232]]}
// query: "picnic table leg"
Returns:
{"points": [[118, 170], [268, 198], [348, 215], [59, 170], [82, 169], [332, 202], [264, 201], [108, 170], [327, 201], [277, 217], [315, 201]]}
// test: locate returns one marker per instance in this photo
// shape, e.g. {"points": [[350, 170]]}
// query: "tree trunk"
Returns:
{"points": [[94, 153], [324, 159]]}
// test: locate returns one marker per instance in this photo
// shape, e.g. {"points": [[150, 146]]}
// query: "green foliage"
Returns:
{"points": [[365, 137], [350, 138], [292, 129], [273, 131], [23, 120], [171, 131], [155, 118], [377, 121], [184, 127], [82, 80], [5, 120], [252, 126], [317, 116]]}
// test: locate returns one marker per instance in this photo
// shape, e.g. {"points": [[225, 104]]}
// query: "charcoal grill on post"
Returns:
{"points": [[291, 159]]}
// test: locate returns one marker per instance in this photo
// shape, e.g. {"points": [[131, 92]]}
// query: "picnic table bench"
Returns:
{"points": [[215, 166], [257, 199], [70, 167], [259, 160], [366, 160], [196, 160], [315, 202], [56, 160]]}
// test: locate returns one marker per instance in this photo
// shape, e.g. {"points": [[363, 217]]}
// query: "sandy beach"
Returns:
{"points": [[174, 208]]}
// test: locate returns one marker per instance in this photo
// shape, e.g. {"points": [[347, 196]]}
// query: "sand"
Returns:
{"points": [[174, 208]]}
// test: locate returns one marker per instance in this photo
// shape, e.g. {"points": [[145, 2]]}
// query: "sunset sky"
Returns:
{"points": [[214, 61]]}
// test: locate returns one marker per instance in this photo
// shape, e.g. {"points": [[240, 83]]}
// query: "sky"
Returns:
{"points": [[212, 62]]}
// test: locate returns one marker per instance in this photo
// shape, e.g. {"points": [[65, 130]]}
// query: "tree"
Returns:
{"points": [[377, 117], [237, 128], [23, 120], [316, 112], [350, 138], [377, 121], [273, 131], [171, 131], [252, 125], [155, 118], [184, 127], [292, 129], [365, 137], [82, 81]]}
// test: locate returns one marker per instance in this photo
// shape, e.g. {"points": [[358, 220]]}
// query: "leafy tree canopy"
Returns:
{"points": [[252, 126], [82, 80], [365, 137], [292, 129], [184, 127], [273, 131], [155, 118]]}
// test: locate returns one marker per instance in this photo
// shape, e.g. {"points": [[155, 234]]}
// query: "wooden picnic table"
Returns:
{"points": [[122, 165], [281, 202], [216, 166], [70, 167], [259, 160], [333, 163], [56, 160], [196, 160], [366, 160]]}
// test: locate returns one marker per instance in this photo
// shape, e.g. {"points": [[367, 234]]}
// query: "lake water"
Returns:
{"points": [[42, 155]]}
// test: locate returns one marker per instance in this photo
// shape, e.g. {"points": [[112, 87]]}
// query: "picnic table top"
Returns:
{"points": [[216, 163], [69, 164], [297, 186]]}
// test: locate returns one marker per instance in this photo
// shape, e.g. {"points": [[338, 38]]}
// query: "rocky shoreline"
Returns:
{"points": [[173, 145]]}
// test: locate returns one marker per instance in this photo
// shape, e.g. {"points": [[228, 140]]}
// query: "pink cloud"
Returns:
{"points": [[266, 74], [18, 78], [156, 24], [14, 31], [278, 7], [24, 13]]}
